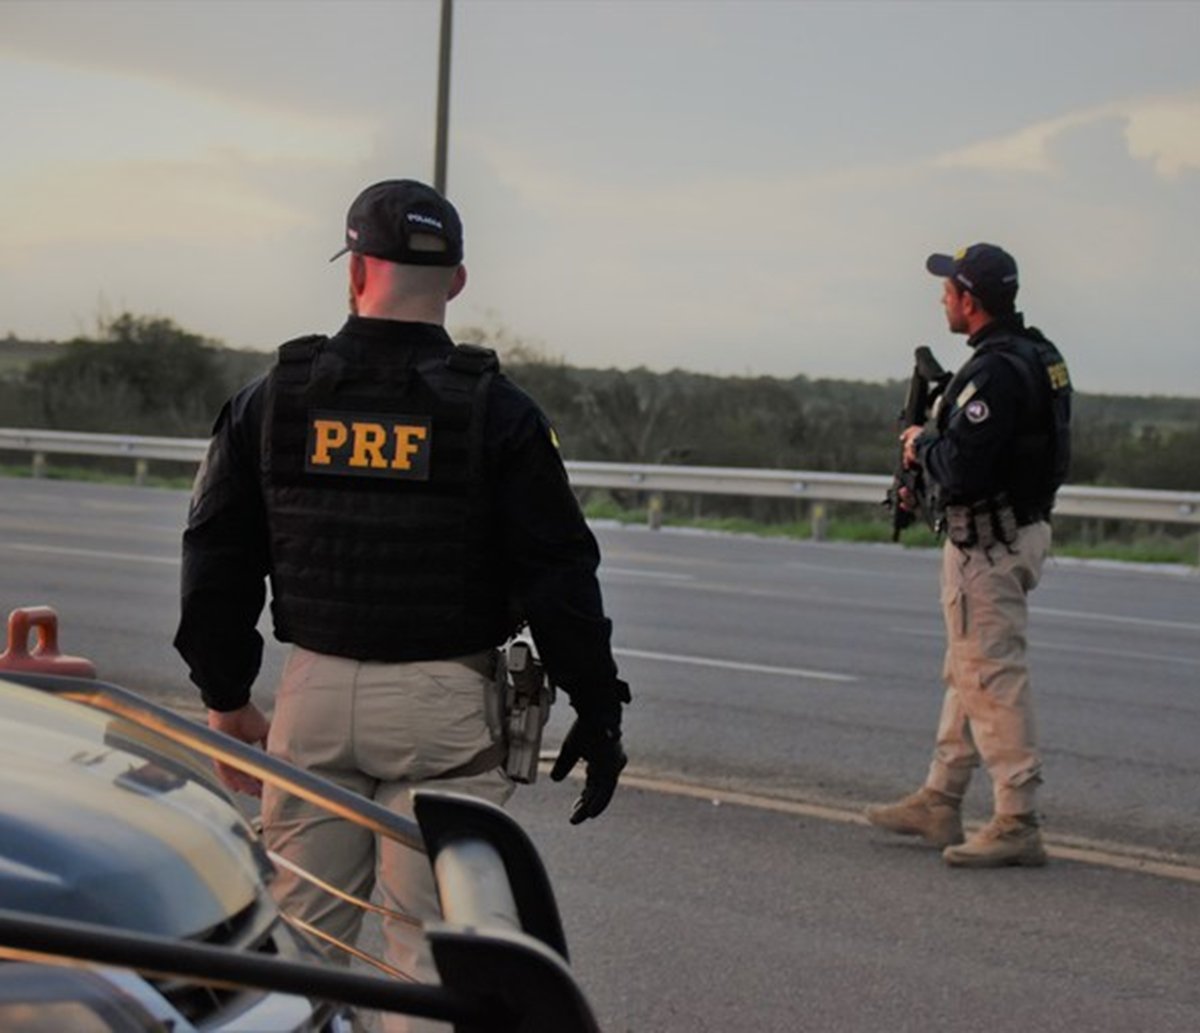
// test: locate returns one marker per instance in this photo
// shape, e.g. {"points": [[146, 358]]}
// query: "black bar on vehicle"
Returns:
{"points": [[22, 933], [516, 971], [448, 818]]}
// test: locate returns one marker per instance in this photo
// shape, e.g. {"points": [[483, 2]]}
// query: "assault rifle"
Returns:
{"points": [[908, 495]]}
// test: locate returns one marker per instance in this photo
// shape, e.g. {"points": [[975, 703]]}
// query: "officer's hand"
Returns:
{"points": [[249, 725], [599, 746], [908, 441]]}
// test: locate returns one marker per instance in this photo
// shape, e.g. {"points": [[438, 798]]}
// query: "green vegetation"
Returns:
{"points": [[138, 375], [108, 472], [144, 375], [1131, 546]]}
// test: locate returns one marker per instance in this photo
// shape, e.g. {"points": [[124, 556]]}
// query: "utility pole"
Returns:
{"points": [[443, 97]]}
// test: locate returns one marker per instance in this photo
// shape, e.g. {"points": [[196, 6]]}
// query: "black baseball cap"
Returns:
{"points": [[384, 218], [987, 271]]}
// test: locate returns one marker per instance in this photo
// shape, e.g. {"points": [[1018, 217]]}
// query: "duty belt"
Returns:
{"points": [[989, 522], [1030, 514]]}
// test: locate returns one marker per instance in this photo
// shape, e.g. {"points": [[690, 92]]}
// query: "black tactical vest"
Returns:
{"points": [[1040, 459], [376, 497]]}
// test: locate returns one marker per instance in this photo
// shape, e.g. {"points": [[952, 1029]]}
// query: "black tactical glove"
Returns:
{"points": [[599, 745]]}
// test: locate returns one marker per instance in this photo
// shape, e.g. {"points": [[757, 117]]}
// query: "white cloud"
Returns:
{"points": [[58, 112], [1163, 131], [105, 157], [143, 201], [1166, 132], [1027, 150]]}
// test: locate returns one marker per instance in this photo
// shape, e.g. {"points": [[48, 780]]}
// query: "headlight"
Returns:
{"points": [[49, 999]]}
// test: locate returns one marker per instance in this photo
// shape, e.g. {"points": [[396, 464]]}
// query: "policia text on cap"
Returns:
{"points": [[408, 505]]}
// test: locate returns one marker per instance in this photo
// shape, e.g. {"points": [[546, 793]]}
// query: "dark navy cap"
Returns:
{"points": [[987, 271], [384, 218]]}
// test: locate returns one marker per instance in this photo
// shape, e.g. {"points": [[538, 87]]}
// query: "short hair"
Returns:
{"points": [[1004, 304]]}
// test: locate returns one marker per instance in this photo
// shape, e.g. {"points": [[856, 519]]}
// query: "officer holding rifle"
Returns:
{"points": [[992, 456], [406, 502]]}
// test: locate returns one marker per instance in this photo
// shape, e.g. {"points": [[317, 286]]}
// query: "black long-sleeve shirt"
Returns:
{"points": [[970, 451], [548, 552]]}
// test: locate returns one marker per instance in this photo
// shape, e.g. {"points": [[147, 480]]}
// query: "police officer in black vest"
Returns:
{"points": [[995, 452], [405, 500]]}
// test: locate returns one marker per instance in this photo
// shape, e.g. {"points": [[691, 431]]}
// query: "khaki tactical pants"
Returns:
{"points": [[987, 711], [380, 730]]}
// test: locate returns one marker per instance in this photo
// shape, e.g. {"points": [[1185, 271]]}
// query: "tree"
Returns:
{"points": [[140, 375]]}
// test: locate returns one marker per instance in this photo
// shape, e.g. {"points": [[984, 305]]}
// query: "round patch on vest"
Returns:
{"points": [[977, 410]]}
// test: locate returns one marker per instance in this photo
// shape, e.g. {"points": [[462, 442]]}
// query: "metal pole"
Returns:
{"points": [[443, 97]]}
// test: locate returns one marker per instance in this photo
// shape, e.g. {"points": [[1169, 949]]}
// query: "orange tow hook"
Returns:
{"points": [[45, 657]]}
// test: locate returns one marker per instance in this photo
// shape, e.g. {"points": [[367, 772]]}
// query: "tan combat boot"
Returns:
{"points": [[1006, 839], [934, 816]]}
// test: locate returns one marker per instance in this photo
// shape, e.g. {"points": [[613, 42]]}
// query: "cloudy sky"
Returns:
{"points": [[728, 187]]}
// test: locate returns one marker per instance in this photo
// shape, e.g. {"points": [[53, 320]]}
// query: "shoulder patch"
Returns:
{"points": [[1059, 377], [976, 410], [966, 394]]}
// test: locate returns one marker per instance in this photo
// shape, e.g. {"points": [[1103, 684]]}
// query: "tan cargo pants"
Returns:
{"points": [[987, 711], [380, 730]]}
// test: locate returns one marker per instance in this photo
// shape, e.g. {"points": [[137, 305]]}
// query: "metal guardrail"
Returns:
{"points": [[1166, 507], [70, 442], [819, 486]]}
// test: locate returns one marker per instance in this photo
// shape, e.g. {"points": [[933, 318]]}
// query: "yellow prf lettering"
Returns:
{"points": [[330, 435], [369, 439], [406, 446]]}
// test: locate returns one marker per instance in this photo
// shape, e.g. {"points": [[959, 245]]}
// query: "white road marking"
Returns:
{"points": [[874, 575], [1107, 618], [736, 665], [1120, 654], [93, 554], [658, 575]]}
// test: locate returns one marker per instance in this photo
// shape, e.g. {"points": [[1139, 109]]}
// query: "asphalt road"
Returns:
{"points": [[802, 676], [689, 916]]}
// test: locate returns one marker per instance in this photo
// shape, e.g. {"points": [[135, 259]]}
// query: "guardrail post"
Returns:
{"points": [[820, 521], [654, 511], [139, 472], [39, 464]]}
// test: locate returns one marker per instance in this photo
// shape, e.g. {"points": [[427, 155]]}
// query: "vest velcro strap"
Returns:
{"points": [[472, 358], [296, 356]]}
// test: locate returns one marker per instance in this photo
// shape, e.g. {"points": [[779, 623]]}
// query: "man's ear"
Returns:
{"points": [[358, 273], [457, 283]]}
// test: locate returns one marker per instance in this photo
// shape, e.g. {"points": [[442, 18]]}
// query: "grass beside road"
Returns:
{"points": [[97, 475], [1143, 547]]}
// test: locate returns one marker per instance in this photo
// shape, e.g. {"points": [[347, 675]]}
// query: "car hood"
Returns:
{"points": [[101, 821]]}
